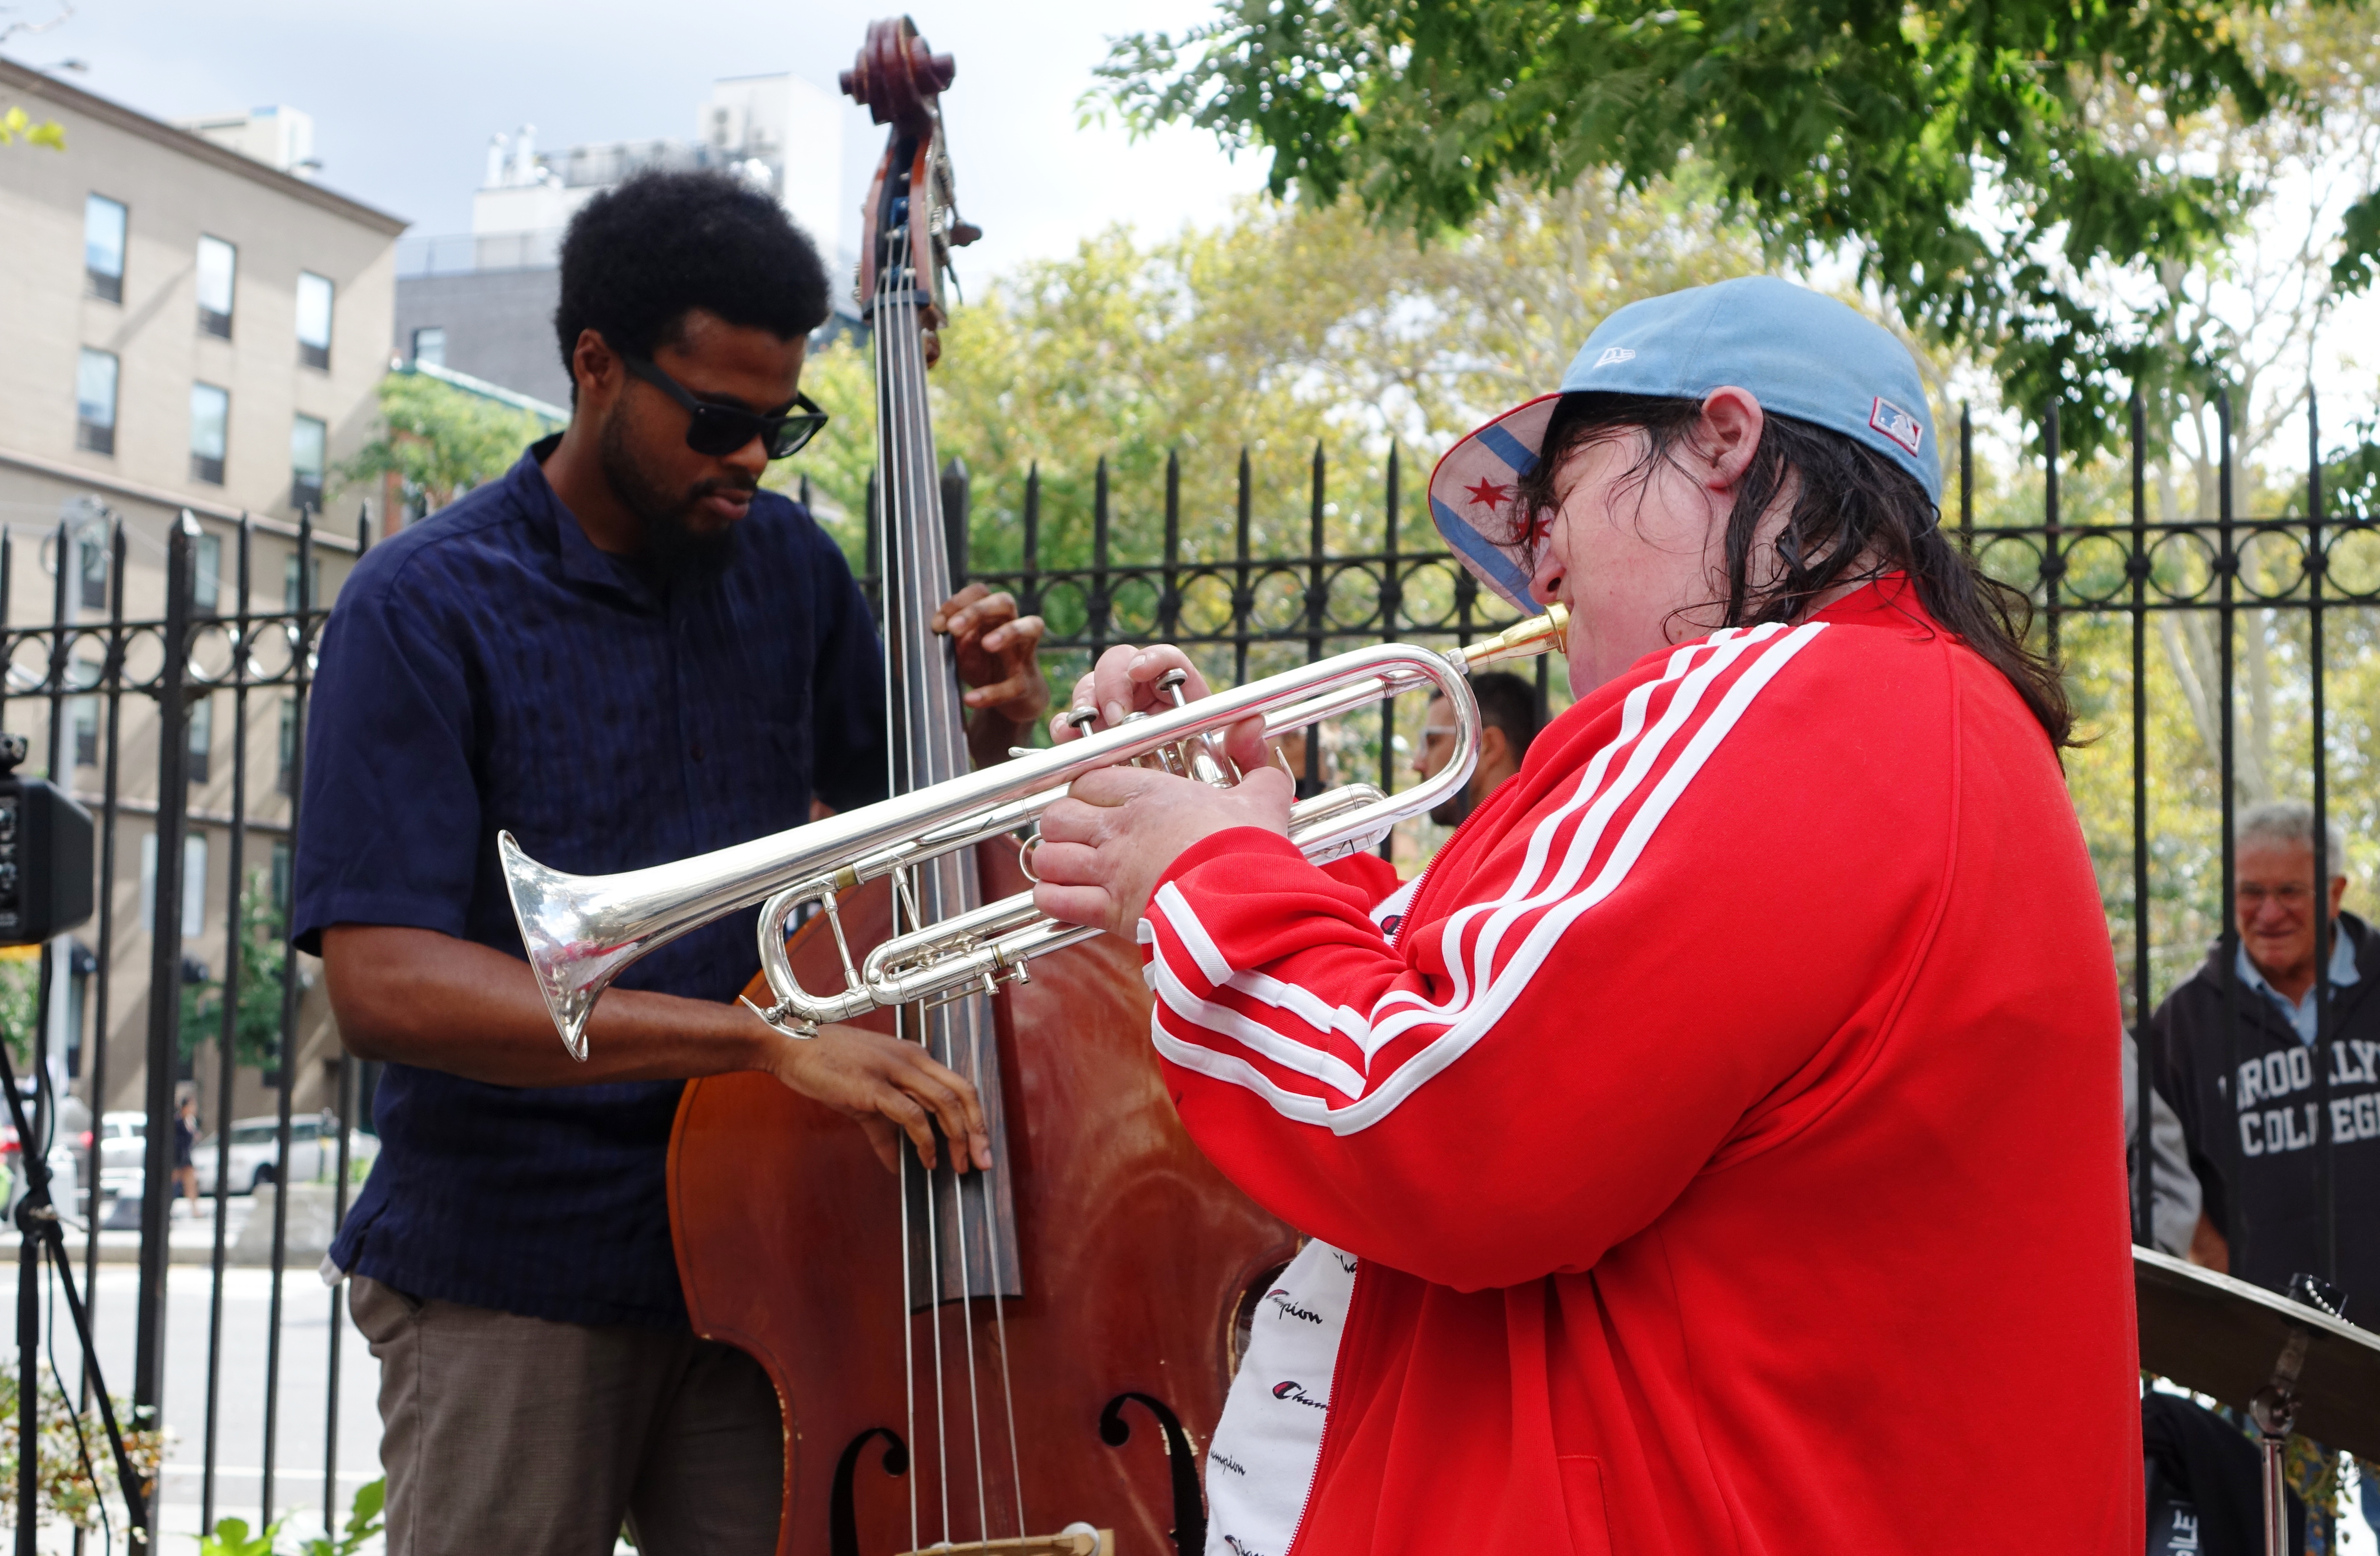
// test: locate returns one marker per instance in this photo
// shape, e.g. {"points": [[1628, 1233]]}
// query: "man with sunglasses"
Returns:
{"points": [[625, 651]]}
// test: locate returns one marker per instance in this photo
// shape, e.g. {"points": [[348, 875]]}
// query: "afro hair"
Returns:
{"points": [[642, 254]]}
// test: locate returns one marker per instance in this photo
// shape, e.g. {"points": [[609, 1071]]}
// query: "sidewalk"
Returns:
{"points": [[189, 1240]]}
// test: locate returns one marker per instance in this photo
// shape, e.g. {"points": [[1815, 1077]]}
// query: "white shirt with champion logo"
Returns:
{"points": [[1260, 1466]]}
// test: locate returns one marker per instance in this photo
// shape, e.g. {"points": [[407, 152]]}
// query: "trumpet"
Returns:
{"points": [[580, 931]]}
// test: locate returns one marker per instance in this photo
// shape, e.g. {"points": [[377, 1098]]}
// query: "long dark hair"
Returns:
{"points": [[1854, 516]]}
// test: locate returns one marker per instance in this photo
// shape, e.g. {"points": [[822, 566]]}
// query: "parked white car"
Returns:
{"points": [[123, 1138], [255, 1152], [66, 1137]]}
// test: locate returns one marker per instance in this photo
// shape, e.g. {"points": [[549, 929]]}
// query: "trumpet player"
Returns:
{"points": [[1717, 1148]]}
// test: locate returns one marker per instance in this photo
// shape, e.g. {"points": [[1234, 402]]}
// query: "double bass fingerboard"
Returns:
{"points": [[962, 1226]]}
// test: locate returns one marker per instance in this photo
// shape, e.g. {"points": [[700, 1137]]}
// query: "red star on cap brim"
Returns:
{"points": [[1487, 494]]}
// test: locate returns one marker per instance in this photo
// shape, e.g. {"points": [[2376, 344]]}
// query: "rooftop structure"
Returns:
{"points": [[481, 302]]}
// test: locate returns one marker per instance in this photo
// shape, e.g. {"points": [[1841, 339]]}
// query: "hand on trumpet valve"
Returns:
{"points": [[1104, 846], [1129, 679]]}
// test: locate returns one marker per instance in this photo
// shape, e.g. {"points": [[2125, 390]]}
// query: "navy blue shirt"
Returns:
{"points": [[489, 669]]}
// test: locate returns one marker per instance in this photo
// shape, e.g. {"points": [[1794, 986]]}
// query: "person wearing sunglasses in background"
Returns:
{"points": [[625, 651]]}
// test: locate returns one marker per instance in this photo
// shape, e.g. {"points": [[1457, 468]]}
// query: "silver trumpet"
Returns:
{"points": [[581, 930]]}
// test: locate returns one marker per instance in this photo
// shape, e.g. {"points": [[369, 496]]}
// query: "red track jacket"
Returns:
{"points": [[1719, 1151]]}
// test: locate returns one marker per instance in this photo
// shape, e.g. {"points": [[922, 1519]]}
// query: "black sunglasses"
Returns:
{"points": [[719, 430]]}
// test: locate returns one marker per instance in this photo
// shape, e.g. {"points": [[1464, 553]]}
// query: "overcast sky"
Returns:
{"points": [[405, 93]]}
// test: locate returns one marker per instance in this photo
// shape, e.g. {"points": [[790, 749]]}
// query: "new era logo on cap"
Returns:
{"points": [[1615, 353], [1896, 423]]}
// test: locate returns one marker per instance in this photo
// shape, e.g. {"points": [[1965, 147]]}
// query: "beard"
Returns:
{"points": [[673, 548], [1452, 810]]}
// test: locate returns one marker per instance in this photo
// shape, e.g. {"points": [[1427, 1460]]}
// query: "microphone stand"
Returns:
{"points": [[37, 1221]]}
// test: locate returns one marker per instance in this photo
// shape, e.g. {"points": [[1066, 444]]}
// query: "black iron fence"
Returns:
{"points": [[2100, 577], [80, 673], [2152, 615]]}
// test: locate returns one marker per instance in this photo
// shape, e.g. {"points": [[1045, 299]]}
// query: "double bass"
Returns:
{"points": [[1028, 1359]]}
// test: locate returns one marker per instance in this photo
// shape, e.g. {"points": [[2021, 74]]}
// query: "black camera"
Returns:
{"points": [[44, 854]]}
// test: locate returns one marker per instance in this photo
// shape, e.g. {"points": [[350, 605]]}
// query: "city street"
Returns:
{"points": [[306, 1318]]}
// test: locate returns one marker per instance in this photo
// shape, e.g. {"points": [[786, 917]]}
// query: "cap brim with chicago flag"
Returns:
{"points": [[1475, 497], [1799, 352]]}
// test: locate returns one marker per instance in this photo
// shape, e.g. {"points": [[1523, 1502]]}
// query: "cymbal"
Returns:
{"points": [[2224, 1337]]}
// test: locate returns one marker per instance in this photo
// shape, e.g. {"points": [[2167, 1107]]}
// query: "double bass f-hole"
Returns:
{"points": [[842, 1517], [1189, 1531]]}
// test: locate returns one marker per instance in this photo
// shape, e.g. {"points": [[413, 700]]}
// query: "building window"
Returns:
{"points": [[210, 429], [83, 715], [102, 248], [308, 437], [289, 600], [194, 882], [280, 873], [90, 571], [430, 345], [218, 273], [82, 712], [206, 574], [286, 781], [202, 737], [314, 296], [95, 401]]}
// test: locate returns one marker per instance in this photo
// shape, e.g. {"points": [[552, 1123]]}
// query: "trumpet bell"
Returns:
{"points": [[558, 920]]}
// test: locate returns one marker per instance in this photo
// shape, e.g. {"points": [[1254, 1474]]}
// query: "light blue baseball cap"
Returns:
{"points": [[1799, 353]]}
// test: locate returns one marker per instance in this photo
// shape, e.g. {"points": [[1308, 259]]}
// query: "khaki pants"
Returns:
{"points": [[533, 1438]]}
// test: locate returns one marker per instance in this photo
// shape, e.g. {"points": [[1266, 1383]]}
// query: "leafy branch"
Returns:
{"points": [[231, 1536], [1952, 148], [16, 126], [263, 959], [76, 1481], [439, 440]]}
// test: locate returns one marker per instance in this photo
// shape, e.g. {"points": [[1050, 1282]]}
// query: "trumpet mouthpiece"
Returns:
{"points": [[1522, 639]]}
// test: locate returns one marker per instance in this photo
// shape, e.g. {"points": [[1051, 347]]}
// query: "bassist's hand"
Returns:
{"points": [[892, 1088], [998, 654]]}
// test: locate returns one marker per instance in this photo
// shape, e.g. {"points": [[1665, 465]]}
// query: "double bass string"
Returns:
{"points": [[886, 542], [941, 719], [931, 737], [998, 1316], [922, 730], [901, 572], [908, 479], [978, 1013]]}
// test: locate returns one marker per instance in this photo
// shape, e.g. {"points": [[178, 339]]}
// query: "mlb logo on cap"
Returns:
{"points": [[1897, 424]]}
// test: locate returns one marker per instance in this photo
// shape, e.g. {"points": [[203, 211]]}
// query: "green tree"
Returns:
{"points": [[440, 441], [1293, 328], [1954, 148], [1131, 350], [263, 956], [20, 985]]}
